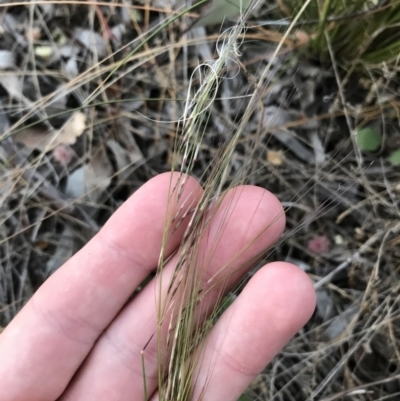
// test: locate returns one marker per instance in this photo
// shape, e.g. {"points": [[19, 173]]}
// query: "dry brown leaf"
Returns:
{"points": [[123, 159], [339, 324], [91, 180], [6, 59], [39, 139], [7, 186], [276, 158], [92, 41], [65, 249], [73, 128], [33, 33], [13, 85], [302, 37]]}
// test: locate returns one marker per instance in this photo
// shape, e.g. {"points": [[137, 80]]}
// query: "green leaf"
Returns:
{"points": [[368, 140], [394, 158]]}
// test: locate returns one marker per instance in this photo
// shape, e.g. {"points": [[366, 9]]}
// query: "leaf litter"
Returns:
{"points": [[304, 154], [35, 138]]}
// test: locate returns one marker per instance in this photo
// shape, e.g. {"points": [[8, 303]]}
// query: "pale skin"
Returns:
{"points": [[79, 339]]}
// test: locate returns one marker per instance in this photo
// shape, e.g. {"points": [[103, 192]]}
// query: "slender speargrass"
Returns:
{"points": [[183, 323]]}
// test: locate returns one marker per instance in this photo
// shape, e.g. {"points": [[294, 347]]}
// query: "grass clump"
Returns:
{"points": [[360, 32], [368, 139]]}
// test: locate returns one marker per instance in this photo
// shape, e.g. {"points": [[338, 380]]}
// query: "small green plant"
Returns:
{"points": [[368, 140], [394, 158]]}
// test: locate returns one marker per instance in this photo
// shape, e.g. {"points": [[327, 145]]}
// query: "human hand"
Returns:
{"points": [[78, 338]]}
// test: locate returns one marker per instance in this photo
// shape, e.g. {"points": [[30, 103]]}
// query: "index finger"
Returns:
{"points": [[45, 344]]}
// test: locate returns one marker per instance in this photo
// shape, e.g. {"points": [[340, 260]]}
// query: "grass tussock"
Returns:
{"points": [[98, 98], [362, 33]]}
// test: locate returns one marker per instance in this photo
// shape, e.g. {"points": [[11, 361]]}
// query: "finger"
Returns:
{"points": [[113, 370], [45, 344], [274, 305]]}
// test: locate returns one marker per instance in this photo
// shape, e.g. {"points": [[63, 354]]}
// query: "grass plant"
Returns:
{"points": [[187, 333], [361, 33]]}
